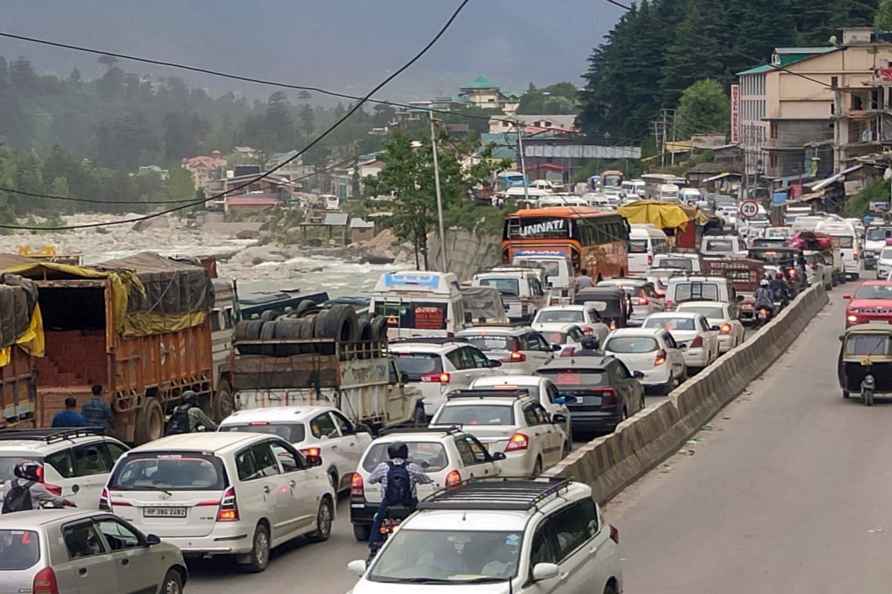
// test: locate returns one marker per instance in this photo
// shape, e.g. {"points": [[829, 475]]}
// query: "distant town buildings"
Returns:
{"points": [[533, 124], [205, 168], [485, 94]]}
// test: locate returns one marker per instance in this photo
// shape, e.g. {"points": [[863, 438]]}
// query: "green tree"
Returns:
{"points": [[703, 107], [180, 185], [307, 120], [883, 18]]}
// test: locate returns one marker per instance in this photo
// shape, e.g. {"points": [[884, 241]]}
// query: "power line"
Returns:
{"points": [[329, 130]]}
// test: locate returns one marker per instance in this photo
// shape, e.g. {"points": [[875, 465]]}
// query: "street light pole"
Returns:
{"points": [[443, 261], [523, 163]]}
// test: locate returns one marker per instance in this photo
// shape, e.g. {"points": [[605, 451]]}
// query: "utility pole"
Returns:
{"points": [[523, 163], [663, 136], [443, 261]]}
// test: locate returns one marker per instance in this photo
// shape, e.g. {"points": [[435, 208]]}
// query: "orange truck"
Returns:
{"points": [[140, 327], [19, 336]]}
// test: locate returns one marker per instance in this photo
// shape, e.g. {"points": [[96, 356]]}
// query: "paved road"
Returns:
{"points": [[788, 491]]}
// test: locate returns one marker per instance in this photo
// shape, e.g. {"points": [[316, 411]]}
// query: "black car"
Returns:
{"points": [[599, 391]]}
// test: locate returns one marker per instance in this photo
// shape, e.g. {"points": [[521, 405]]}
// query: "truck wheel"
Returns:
{"points": [[149, 422], [340, 323], [268, 332], [379, 329], [224, 402], [304, 307]]}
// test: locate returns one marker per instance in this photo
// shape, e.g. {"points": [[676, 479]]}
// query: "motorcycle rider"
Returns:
{"points": [[780, 289], [27, 491], [764, 297], [399, 478], [188, 417]]}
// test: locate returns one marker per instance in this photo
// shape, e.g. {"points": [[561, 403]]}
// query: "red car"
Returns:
{"points": [[871, 302]]}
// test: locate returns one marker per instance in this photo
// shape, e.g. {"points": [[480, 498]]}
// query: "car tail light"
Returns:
{"points": [[228, 511], [614, 534], [697, 342], [357, 488], [45, 582], [105, 500], [311, 452], [518, 441], [54, 489], [650, 260], [725, 329], [453, 479], [608, 396], [517, 356], [660, 358], [434, 378], [670, 305], [587, 330], [612, 325], [642, 301]]}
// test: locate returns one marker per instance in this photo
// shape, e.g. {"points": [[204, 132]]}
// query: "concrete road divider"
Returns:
{"points": [[612, 462]]}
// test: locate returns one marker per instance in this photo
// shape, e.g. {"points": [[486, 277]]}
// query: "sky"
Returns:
{"points": [[344, 45]]}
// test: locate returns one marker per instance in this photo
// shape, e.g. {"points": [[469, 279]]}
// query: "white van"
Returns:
{"points": [[634, 187], [846, 238], [667, 193], [722, 246], [419, 303], [558, 274], [691, 196], [645, 242]]}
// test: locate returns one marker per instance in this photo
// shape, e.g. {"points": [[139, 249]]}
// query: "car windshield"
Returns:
{"points": [[556, 337], [720, 245], [638, 246], [631, 344], [418, 365], [886, 254], [868, 344], [562, 316], [575, 377], [707, 311], [679, 263], [879, 233], [430, 455], [695, 291], [551, 267], [19, 549], [155, 471], [491, 342], [844, 241], [8, 464], [670, 323], [448, 556], [292, 432], [874, 292], [505, 286], [475, 414]]}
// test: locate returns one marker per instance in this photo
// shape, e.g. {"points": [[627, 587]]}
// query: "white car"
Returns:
{"points": [[511, 422], [719, 314], [684, 261], [653, 352], [439, 367], [238, 494], [76, 461], [521, 350], [557, 317], [568, 337], [448, 457], [317, 431], [693, 334], [539, 387], [542, 536], [818, 270], [884, 262]]}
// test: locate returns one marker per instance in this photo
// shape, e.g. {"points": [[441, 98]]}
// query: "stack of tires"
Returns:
{"points": [[340, 323]]}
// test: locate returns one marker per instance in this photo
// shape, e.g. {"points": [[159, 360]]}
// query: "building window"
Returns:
{"points": [[772, 130], [772, 160], [834, 81]]}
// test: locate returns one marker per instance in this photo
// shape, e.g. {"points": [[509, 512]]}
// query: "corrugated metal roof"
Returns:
{"points": [[361, 224], [336, 219]]}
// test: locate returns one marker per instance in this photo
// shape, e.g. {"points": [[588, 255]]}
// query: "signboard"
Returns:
{"points": [[411, 280], [581, 151], [554, 226], [749, 209], [735, 114], [777, 199], [879, 206]]}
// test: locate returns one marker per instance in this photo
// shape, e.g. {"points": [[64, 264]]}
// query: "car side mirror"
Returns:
{"points": [[493, 363], [715, 328], [847, 297], [638, 374], [556, 348], [152, 540], [544, 571], [558, 419], [739, 298], [499, 456], [358, 567], [314, 461], [841, 337]]}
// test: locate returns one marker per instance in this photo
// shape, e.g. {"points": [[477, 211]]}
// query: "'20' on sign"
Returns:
{"points": [[749, 208]]}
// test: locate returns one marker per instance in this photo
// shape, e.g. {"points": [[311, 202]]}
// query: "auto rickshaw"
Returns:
{"points": [[865, 361], [614, 306]]}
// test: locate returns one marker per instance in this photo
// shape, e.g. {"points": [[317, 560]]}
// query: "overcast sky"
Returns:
{"points": [[346, 45]]}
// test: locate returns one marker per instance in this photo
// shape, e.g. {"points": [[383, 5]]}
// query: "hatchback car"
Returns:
{"points": [[653, 352], [317, 431], [76, 461], [510, 422], [695, 337], [63, 551], [448, 456], [520, 350], [719, 315], [540, 388], [557, 317], [225, 493], [537, 535], [438, 367]]}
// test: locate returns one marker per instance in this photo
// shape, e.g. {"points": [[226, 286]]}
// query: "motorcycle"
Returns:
{"points": [[394, 517], [763, 315]]}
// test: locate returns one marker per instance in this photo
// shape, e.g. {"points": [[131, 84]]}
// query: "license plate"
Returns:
{"points": [[164, 512]]}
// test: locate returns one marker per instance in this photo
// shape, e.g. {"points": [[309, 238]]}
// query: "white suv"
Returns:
{"points": [[222, 494], [437, 367], [448, 456], [76, 461], [317, 431], [539, 535], [510, 422]]}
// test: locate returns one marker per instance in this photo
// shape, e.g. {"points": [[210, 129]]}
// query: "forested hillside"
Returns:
{"points": [[661, 47]]}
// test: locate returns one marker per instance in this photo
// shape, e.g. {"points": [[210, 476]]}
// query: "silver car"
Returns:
{"points": [[84, 552]]}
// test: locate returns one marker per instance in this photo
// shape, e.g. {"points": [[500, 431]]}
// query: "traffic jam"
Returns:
{"points": [[431, 409]]}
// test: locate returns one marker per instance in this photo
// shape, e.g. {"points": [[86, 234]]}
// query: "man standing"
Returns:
{"points": [[583, 281], [96, 411], [69, 417]]}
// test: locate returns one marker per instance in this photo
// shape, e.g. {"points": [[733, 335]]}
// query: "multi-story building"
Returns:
{"points": [[485, 94], [205, 168]]}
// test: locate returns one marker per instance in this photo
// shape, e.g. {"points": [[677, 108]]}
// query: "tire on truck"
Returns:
{"points": [[379, 329], [339, 323], [149, 422], [249, 330], [286, 328], [268, 332], [304, 307]]}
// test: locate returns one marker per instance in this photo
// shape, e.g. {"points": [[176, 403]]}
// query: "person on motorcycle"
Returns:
{"points": [[780, 289], [398, 478], [764, 296], [188, 417], [589, 346], [27, 491]]}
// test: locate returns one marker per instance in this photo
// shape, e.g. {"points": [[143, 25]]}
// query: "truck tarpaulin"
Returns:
{"points": [[484, 303], [150, 294], [661, 214], [20, 320]]}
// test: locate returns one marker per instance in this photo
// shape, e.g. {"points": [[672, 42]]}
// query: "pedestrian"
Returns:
{"points": [[96, 411], [69, 417], [583, 280], [27, 491]]}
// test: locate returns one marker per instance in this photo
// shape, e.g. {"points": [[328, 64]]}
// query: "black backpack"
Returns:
{"points": [[179, 421], [399, 486], [18, 498]]}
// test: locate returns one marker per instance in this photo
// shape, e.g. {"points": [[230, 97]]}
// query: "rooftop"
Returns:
{"points": [[789, 55], [481, 82]]}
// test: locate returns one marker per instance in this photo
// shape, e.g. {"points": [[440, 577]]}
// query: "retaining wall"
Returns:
{"points": [[610, 463]]}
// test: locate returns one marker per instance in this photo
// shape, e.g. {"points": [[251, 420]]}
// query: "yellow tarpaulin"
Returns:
{"points": [[662, 215], [32, 340]]}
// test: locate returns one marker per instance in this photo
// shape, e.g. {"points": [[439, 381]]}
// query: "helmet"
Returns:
{"points": [[398, 450], [763, 283], [30, 471], [589, 343], [189, 397], [779, 276]]}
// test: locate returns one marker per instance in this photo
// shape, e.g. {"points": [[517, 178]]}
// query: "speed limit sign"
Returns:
{"points": [[749, 209]]}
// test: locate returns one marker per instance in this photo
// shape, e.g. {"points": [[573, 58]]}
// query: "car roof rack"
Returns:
{"points": [[49, 435], [409, 430], [495, 493], [489, 392], [429, 340]]}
